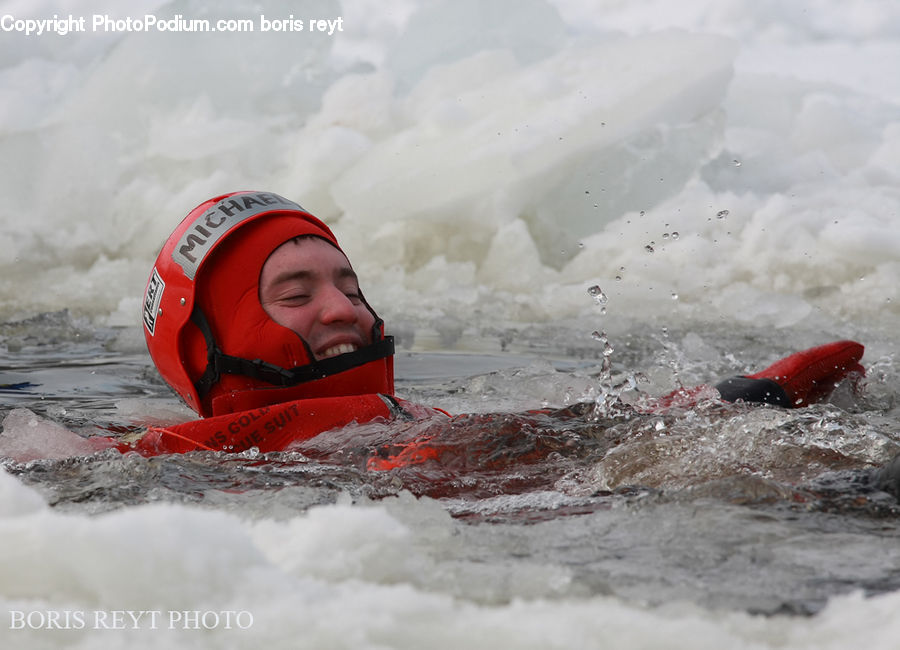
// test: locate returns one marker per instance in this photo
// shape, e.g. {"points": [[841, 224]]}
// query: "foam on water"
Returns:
{"points": [[346, 577]]}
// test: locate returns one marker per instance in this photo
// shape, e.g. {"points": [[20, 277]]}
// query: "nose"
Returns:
{"points": [[336, 307]]}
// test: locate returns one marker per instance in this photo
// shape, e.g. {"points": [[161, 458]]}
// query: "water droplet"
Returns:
{"points": [[674, 296], [675, 235], [601, 337], [736, 162], [642, 213], [649, 248], [721, 214], [597, 294], [618, 278], [665, 235]]}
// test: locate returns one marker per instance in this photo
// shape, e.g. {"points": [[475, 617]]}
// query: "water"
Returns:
{"points": [[713, 517], [549, 205]]}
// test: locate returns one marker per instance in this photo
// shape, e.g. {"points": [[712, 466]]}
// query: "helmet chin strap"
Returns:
{"points": [[219, 363]]}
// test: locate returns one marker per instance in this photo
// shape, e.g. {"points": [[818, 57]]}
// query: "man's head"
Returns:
{"points": [[252, 302]]}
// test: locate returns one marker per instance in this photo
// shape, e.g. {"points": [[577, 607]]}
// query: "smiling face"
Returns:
{"points": [[307, 285]]}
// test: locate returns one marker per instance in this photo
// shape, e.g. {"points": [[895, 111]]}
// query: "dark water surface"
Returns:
{"points": [[730, 506]]}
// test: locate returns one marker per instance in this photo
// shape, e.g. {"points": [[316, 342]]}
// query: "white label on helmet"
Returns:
{"points": [[210, 226], [152, 298]]}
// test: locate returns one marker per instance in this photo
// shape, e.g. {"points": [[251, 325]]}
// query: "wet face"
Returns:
{"points": [[307, 285]]}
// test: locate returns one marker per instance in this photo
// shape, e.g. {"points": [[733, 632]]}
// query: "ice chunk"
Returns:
{"points": [[27, 436]]}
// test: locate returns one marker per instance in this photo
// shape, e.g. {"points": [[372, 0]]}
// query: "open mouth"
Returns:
{"points": [[335, 350]]}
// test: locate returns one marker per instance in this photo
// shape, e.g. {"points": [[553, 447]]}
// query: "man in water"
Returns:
{"points": [[251, 302], [254, 316]]}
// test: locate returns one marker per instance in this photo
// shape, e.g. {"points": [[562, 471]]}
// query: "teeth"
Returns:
{"points": [[343, 348]]}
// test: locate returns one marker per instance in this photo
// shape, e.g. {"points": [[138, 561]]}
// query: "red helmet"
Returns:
{"points": [[207, 332]]}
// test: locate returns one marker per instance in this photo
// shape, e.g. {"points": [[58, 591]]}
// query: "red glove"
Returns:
{"points": [[798, 380], [810, 376]]}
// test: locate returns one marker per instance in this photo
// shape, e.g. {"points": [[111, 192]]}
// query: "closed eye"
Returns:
{"points": [[294, 299]]}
